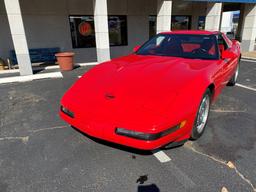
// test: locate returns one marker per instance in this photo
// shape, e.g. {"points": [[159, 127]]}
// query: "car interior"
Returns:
{"points": [[222, 43], [187, 46]]}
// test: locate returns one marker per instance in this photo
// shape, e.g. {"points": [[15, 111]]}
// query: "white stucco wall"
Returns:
{"points": [[47, 25]]}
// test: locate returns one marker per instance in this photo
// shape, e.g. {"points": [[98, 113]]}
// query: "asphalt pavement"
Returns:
{"points": [[40, 152]]}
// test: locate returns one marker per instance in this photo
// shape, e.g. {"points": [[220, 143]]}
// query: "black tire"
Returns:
{"points": [[195, 134], [233, 80]]}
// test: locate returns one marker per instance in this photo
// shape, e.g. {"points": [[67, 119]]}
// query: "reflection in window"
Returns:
{"points": [[201, 22], [178, 23], [83, 33], [117, 26]]}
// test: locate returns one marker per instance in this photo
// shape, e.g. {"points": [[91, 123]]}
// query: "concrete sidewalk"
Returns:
{"points": [[249, 55], [40, 72]]}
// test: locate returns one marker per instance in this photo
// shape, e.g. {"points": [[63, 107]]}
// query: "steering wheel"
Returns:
{"points": [[200, 51]]}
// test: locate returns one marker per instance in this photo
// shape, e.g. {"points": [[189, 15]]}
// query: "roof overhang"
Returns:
{"points": [[230, 1]]}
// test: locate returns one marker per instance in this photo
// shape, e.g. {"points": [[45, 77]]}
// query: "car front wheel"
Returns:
{"points": [[202, 116], [233, 80]]}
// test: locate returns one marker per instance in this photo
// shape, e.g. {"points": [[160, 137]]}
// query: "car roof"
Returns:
{"points": [[192, 32]]}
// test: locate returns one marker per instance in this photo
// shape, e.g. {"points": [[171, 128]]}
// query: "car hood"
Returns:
{"points": [[133, 83]]}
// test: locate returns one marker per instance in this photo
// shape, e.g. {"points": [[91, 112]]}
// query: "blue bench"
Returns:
{"points": [[38, 55]]}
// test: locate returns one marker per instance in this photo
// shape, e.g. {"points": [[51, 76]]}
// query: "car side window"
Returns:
{"points": [[221, 41], [222, 44]]}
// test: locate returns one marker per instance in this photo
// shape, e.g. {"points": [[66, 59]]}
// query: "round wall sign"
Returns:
{"points": [[85, 28]]}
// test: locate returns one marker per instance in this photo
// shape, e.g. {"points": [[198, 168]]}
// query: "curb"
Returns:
{"points": [[26, 78], [47, 67], [249, 58], [57, 66]]}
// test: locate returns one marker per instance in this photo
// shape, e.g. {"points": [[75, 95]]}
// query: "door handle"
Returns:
{"points": [[226, 60]]}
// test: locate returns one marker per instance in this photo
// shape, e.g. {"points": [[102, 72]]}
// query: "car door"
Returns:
{"points": [[226, 64], [234, 48]]}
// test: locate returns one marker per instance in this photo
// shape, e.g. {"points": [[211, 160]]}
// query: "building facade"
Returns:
{"points": [[97, 30]]}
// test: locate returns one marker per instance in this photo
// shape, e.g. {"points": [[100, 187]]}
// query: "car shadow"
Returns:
{"points": [[169, 146], [115, 145], [148, 188]]}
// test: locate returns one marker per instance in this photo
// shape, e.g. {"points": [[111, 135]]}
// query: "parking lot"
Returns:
{"points": [[39, 152]]}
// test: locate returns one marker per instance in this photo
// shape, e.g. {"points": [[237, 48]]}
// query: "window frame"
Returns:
{"points": [[73, 47], [125, 29]]}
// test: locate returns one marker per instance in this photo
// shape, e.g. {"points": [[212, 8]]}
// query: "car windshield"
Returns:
{"points": [[181, 45]]}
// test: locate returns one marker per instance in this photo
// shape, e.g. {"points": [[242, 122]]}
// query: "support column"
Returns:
{"points": [[249, 27], [164, 15], [213, 16], [240, 24], [101, 30], [18, 36]]}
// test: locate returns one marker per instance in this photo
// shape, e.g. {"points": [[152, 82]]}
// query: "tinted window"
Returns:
{"points": [[222, 42], [181, 22], [117, 26], [187, 46], [83, 33], [152, 26], [201, 22], [178, 22]]}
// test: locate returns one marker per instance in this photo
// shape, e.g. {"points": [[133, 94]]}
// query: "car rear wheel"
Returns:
{"points": [[233, 80], [202, 116]]}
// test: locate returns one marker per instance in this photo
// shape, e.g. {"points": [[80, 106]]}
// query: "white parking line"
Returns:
{"points": [[246, 87], [161, 156], [30, 77], [79, 76]]}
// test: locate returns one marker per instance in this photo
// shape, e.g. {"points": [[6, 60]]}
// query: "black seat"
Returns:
{"points": [[206, 44], [171, 47]]}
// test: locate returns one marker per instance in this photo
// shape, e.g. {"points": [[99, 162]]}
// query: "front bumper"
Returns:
{"points": [[146, 136], [109, 132]]}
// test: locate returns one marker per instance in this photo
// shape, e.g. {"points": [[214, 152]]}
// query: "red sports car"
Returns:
{"points": [[159, 94]]}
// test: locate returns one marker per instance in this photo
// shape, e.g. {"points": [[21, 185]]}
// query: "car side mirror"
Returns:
{"points": [[136, 48], [234, 41], [231, 36], [227, 54]]}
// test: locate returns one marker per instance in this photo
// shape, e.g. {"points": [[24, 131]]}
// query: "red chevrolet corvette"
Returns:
{"points": [[159, 94]]}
